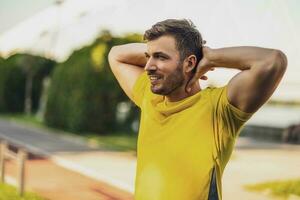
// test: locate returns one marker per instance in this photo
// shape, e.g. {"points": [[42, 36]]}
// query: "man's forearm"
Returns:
{"points": [[242, 58], [262, 70], [133, 53]]}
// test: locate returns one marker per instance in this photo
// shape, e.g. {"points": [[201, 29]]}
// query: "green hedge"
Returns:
{"points": [[12, 80], [84, 95], [12, 87]]}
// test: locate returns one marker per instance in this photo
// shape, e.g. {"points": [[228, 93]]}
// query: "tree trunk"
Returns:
{"points": [[28, 92]]}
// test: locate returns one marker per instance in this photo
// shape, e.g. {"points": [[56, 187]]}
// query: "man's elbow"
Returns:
{"points": [[113, 56], [275, 65], [280, 61], [112, 53]]}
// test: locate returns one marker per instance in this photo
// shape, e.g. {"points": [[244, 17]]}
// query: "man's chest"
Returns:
{"points": [[185, 137]]}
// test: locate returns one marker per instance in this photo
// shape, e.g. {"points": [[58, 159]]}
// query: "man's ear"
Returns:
{"points": [[190, 63]]}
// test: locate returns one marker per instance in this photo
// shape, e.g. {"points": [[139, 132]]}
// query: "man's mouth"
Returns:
{"points": [[154, 78]]}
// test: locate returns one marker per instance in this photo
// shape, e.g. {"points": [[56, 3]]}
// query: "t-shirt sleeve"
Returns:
{"points": [[227, 121], [231, 118], [139, 89]]}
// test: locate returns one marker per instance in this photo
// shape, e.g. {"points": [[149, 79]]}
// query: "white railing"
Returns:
{"points": [[20, 156]]}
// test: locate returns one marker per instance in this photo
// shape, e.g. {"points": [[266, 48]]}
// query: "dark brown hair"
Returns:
{"points": [[188, 38]]}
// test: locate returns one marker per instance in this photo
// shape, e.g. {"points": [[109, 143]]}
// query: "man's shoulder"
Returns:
{"points": [[139, 88], [213, 91]]}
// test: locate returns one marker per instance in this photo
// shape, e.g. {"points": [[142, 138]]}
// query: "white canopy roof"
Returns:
{"points": [[61, 28]]}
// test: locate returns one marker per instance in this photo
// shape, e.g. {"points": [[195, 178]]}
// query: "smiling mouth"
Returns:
{"points": [[154, 79]]}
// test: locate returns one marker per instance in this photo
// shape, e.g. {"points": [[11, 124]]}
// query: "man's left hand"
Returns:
{"points": [[203, 66]]}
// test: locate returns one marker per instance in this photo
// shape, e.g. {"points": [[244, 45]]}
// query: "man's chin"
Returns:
{"points": [[158, 91]]}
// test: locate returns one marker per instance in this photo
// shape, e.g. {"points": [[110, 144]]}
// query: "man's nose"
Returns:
{"points": [[150, 66]]}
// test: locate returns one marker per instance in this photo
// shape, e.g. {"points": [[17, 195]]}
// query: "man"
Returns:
{"points": [[186, 133]]}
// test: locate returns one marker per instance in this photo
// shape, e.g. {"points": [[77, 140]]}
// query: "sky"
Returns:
{"points": [[14, 11], [52, 30]]}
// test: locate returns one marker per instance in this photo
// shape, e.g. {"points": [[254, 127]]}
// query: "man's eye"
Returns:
{"points": [[161, 57]]}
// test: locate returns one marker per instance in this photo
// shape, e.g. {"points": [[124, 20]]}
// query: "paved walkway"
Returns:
{"points": [[56, 177], [255, 162], [57, 183], [252, 162]]}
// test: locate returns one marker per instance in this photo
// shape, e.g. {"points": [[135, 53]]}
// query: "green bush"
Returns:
{"points": [[84, 94], [13, 73], [12, 82]]}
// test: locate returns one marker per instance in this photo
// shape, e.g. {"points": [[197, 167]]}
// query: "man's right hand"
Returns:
{"points": [[127, 63]]}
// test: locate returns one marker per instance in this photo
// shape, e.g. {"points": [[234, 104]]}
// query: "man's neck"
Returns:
{"points": [[182, 94]]}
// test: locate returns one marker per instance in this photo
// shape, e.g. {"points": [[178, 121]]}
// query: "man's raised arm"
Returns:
{"points": [[261, 72], [127, 63]]}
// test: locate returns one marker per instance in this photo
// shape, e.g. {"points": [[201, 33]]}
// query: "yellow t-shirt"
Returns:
{"points": [[183, 146]]}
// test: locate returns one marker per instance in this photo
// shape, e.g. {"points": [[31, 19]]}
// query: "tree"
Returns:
{"points": [[84, 95], [21, 82]]}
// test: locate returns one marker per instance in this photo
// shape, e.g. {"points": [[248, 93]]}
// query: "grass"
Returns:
{"points": [[8, 192], [118, 141], [26, 119], [282, 189], [284, 103]]}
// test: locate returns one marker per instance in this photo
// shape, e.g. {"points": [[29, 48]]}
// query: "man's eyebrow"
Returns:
{"points": [[157, 53]]}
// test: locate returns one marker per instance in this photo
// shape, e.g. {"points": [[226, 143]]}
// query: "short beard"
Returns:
{"points": [[174, 81]]}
